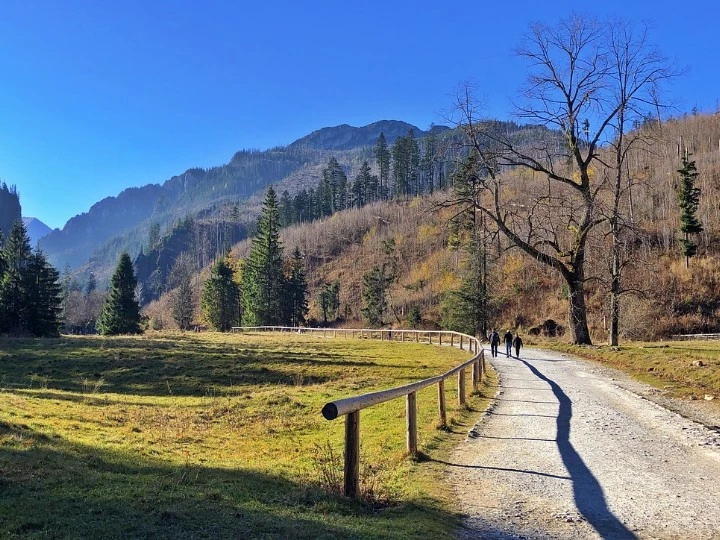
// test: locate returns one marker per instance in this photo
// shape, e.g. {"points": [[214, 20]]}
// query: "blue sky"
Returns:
{"points": [[97, 96]]}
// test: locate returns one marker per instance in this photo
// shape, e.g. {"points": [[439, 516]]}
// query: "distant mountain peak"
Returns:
{"points": [[345, 137], [36, 229]]}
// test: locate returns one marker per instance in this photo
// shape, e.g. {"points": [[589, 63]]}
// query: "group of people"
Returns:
{"points": [[510, 342]]}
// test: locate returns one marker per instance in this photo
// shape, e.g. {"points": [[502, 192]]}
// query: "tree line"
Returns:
{"points": [[30, 291], [407, 168]]}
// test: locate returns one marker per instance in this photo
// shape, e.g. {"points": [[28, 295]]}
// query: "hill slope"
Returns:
{"points": [[124, 220]]}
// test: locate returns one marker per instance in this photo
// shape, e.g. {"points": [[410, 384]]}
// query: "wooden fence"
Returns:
{"points": [[351, 406]]}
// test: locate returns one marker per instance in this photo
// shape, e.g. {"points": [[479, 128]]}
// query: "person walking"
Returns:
{"points": [[508, 343], [494, 343], [517, 343]]}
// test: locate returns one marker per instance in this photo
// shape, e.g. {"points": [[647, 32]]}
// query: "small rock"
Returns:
{"points": [[698, 363], [709, 397]]}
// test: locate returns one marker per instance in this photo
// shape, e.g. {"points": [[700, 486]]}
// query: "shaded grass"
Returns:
{"points": [[672, 365], [211, 435]]}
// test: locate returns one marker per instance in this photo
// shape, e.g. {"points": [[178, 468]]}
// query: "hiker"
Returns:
{"points": [[508, 343], [517, 342], [494, 342]]}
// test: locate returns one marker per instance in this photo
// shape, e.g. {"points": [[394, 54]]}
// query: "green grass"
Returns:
{"points": [[215, 435], [670, 365]]}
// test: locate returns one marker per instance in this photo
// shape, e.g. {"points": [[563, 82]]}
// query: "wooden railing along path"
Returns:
{"points": [[351, 406]]}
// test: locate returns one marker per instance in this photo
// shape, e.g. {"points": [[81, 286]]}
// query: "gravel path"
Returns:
{"points": [[571, 449]]}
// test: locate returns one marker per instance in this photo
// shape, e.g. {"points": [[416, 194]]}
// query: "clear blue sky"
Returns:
{"points": [[100, 95]]}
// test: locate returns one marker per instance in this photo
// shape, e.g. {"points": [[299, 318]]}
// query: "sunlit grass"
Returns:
{"points": [[683, 368], [213, 434]]}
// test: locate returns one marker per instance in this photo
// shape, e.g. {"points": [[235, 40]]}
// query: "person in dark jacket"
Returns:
{"points": [[508, 343], [517, 343], [494, 342]]}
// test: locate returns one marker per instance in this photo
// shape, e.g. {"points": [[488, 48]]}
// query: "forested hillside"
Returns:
{"points": [[429, 242], [122, 223]]}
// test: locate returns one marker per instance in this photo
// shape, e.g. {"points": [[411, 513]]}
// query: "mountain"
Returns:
{"points": [[344, 137], [36, 229], [122, 222]]}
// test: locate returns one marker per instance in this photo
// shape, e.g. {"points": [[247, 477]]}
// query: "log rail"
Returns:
{"points": [[350, 407]]}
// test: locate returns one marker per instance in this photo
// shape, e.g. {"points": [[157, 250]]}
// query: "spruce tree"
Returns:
{"points": [[44, 298], [382, 158], [374, 296], [14, 287], [329, 300], [296, 297], [221, 297], [689, 203], [121, 312], [263, 282]]}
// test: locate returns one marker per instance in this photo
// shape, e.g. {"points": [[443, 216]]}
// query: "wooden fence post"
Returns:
{"points": [[461, 387], [461, 342], [475, 375], [440, 338], [352, 454], [452, 340], [441, 403], [411, 416]]}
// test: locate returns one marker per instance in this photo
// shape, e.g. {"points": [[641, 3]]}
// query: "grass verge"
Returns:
{"points": [[215, 435], [689, 369]]}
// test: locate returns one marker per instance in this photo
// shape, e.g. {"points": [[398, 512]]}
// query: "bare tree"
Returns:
{"points": [[543, 191], [636, 74]]}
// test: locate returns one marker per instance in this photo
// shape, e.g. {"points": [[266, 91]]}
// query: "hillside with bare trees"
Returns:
{"points": [[660, 296]]}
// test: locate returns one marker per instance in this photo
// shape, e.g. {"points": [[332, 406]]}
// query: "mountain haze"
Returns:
{"points": [[36, 229]]}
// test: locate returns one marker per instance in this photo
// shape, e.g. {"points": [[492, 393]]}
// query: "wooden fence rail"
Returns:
{"points": [[350, 407]]}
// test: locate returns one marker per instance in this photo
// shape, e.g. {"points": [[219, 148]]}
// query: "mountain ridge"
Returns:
{"points": [[36, 229], [247, 172]]}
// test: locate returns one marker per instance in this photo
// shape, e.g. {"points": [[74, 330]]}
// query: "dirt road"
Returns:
{"points": [[572, 450]]}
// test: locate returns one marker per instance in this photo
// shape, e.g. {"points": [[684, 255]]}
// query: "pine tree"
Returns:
{"points": [[43, 308], [296, 297], [374, 296], [329, 300], [263, 283], [14, 287], [221, 297], [382, 158], [121, 312], [689, 203]]}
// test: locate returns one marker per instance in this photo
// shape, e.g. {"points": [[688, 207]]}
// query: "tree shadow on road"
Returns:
{"points": [[589, 495]]}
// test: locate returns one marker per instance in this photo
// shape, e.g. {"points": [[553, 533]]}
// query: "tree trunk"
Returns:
{"points": [[577, 313]]}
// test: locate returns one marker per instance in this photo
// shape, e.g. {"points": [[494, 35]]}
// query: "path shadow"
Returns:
{"points": [[589, 495], [503, 469]]}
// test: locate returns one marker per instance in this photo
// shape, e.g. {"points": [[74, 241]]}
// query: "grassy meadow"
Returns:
{"points": [[216, 435], [682, 368]]}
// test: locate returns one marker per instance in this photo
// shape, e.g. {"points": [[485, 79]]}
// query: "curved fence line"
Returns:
{"points": [[350, 407]]}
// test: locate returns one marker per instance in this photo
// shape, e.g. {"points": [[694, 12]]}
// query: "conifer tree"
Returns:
{"points": [[689, 203], [296, 298], [329, 300], [121, 312], [42, 313], [16, 254], [382, 158], [374, 296], [221, 297], [263, 281]]}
